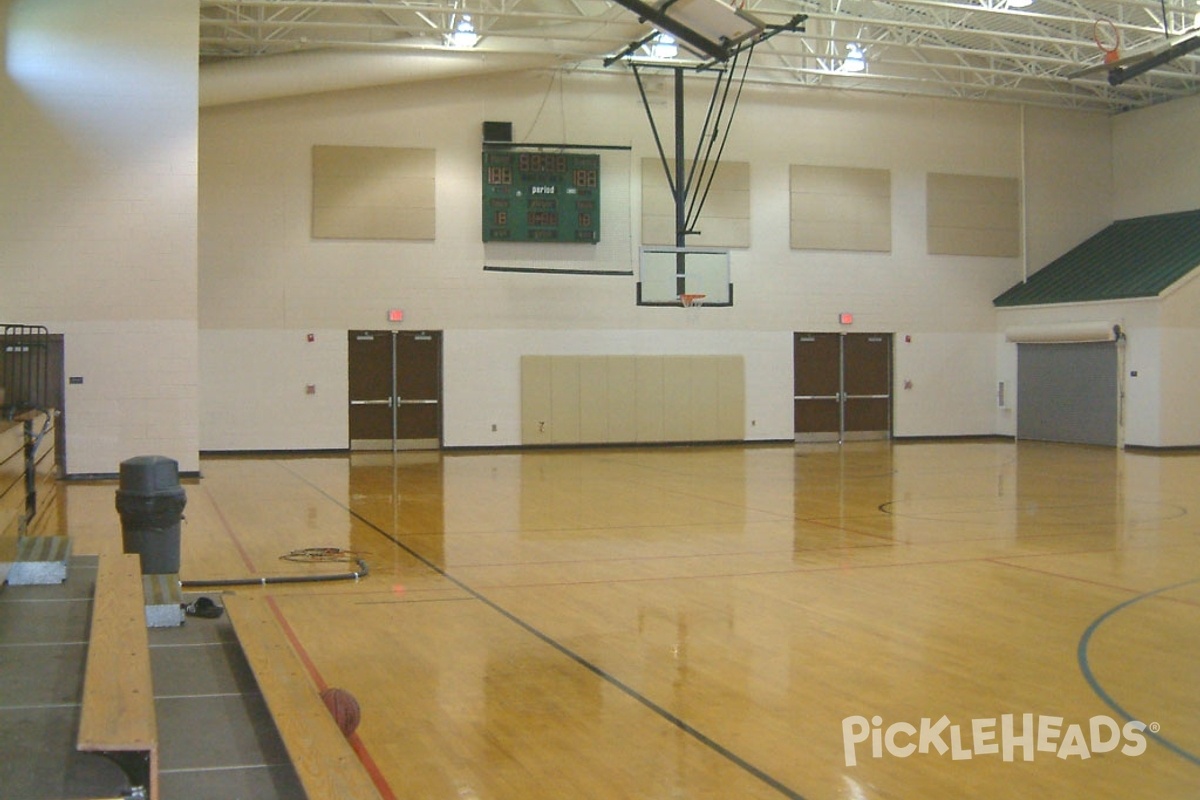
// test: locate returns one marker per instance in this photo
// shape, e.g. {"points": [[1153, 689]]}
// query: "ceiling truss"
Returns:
{"points": [[982, 49]]}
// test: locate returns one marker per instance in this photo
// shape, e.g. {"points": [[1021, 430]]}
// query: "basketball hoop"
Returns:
{"points": [[1108, 39], [692, 300]]}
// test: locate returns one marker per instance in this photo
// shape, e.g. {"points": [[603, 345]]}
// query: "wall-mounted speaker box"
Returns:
{"points": [[497, 131]]}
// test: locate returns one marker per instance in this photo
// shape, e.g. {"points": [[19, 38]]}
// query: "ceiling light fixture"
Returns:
{"points": [[664, 46], [854, 61], [464, 34]]}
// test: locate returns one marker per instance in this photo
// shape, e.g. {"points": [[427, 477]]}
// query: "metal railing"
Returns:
{"points": [[24, 369]]}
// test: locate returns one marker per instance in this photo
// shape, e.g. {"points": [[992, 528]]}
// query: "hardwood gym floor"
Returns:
{"points": [[733, 622]]}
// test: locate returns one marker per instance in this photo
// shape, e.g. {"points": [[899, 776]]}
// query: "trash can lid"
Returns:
{"points": [[147, 474]]}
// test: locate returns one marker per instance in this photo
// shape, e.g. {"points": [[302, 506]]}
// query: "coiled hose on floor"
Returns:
{"points": [[361, 572]]}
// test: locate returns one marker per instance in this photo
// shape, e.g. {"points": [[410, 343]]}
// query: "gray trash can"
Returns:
{"points": [[150, 502]]}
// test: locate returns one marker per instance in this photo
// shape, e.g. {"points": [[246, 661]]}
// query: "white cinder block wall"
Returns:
{"points": [[1160, 358], [260, 268], [98, 240], [1141, 352], [1181, 350], [491, 359], [98, 215], [1154, 171]]}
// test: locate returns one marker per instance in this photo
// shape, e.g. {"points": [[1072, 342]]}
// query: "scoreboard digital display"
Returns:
{"points": [[531, 196]]}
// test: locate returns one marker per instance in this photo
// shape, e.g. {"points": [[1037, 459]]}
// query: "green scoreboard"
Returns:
{"points": [[534, 196]]}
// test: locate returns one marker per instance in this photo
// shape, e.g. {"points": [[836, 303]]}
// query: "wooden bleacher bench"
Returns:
{"points": [[325, 763], [117, 715]]}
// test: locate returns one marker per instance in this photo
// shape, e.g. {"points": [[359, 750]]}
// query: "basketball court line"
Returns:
{"points": [[1000, 560], [1085, 666], [364, 755], [821, 522], [835, 523], [881, 540], [744, 574], [792, 569], [229, 531], [545, 638], [947, 516]]}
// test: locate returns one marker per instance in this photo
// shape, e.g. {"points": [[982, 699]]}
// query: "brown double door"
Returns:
{"points": [[842, 386], [395, 389]]}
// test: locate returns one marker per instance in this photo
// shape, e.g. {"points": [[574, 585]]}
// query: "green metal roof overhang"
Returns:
{"points": [[1132, 258]]}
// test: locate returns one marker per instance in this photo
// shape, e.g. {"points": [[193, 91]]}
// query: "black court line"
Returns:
{"points": [[1086, 668], [545, 638]]}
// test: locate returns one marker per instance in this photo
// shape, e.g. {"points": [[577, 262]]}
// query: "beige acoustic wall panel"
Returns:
{"points": [[373, 193], [725, 218], [840, 208], [973, 215], [622, 398], [677, 398], [731, 398], [701, 410], [536, 406], [648, 398], [593, 399], [564, 400]]}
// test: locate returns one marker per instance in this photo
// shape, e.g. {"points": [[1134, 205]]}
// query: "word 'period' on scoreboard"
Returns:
{"points": [[534, 196]]}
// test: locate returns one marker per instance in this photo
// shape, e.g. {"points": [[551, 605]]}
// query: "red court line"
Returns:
{"points": [[727, 575], [360, 749], [821, 523]]}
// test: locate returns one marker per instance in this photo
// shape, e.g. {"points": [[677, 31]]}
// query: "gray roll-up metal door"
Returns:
{"points": [[1068, 392]]}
